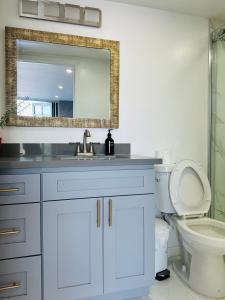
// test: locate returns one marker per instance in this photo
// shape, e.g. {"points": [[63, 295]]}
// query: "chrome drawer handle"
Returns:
{"points": [[9, 231], [9, 190], [10, 286]]}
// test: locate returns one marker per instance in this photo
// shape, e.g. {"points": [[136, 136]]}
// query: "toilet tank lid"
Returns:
{"points": [[164, 168]]}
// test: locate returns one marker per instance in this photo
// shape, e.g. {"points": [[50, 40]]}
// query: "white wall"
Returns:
{"points": [[163, 78]]}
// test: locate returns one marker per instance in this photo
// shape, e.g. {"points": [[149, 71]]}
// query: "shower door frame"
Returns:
{"points": [[213, 39]]}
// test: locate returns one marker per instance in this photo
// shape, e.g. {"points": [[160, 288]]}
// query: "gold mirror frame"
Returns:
{"points": [[13, 34]]}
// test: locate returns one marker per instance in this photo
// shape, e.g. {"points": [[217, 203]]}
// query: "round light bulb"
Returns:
{"points": [[69, 71]]}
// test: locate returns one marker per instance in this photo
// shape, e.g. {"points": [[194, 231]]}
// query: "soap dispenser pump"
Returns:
{"points": [[109, 144]]}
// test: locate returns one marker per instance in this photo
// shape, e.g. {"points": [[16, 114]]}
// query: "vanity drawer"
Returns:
{"points": [[69, 185], [19, 188], [20, 278], [19, 230]]}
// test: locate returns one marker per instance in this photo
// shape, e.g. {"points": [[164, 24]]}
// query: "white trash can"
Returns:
{"points": [[161, 241]]}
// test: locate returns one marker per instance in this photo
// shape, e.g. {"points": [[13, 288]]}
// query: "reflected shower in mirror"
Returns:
{"points": [[67, 81]]}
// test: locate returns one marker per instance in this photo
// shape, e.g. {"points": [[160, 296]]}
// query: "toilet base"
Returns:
{"points": [[206, 274]]}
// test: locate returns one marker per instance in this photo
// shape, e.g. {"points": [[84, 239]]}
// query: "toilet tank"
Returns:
{"points": [[162, 193]]}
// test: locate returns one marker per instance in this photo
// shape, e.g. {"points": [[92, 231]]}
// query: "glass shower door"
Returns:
{"points": [[218, 129]]}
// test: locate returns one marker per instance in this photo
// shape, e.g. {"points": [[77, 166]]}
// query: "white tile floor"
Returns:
{"points": [[173, 289]]}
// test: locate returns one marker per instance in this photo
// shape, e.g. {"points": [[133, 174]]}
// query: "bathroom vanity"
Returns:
{"points": [[76, 229]]}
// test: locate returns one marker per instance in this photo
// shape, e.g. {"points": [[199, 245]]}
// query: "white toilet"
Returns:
{"points": [[183, 191]]}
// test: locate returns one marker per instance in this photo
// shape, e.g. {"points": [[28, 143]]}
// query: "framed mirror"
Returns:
{"points": [[60, 80]]}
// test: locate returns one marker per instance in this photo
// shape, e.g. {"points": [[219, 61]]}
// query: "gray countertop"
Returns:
{"points": [[58, 161]]}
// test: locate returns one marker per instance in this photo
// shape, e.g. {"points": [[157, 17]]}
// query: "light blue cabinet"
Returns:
{"points": [[72, 249], [20, 259], [96, 228], [94, 247], [128, 242]]}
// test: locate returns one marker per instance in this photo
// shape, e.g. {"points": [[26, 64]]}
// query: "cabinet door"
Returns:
{"points": [[129, 248], [72, 249]]}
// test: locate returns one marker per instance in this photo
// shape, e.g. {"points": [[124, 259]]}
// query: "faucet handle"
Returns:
{"points": [[78, 149], [91, 149]]}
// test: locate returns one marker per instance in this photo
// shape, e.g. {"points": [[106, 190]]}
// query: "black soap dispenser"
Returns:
{"points": [[109, 144]]}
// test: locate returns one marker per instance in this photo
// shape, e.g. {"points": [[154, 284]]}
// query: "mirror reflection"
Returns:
{"points": [[56, 80]]}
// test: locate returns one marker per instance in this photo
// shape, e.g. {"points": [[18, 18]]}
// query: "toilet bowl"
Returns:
{"points": [[202, 265], [203, 234]]}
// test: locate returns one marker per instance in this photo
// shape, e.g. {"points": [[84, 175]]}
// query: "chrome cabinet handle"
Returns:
{"points": [[110, 212], [10, 286], [9, 190], [9, 231], [98, 213]]}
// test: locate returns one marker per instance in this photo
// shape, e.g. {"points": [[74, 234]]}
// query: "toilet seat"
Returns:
{"points": [[189, 189]]}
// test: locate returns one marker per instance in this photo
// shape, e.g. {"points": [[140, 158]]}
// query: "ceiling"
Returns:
{"points": [[205, 8]]}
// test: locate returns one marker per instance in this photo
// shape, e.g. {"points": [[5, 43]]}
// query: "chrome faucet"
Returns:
{"points": [[87, 134], [87, 151]]}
